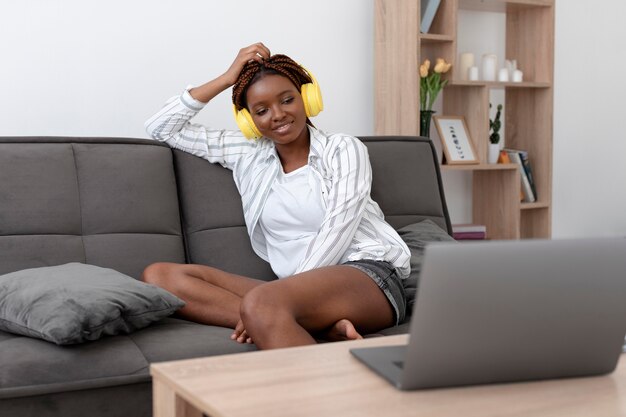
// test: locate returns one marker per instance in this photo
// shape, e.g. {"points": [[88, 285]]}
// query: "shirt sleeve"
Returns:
{"points": [[172, 125], [348, 195]]}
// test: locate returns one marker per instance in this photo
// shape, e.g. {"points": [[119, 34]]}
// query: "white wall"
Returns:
{"points": [[589, 141], [94, 68], [90, 67]]}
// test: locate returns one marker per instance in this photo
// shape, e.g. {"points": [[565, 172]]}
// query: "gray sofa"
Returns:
{"points": [[126, 203]]}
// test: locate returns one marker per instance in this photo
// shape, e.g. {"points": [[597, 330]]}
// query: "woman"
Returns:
{"points": [[307, 206]]}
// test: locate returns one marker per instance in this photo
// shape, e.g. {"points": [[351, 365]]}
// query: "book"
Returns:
{"points": [[527, 191], [428, 11], [527, 169], [529, 172], [469, 236], [469, 231], [467, 227]]}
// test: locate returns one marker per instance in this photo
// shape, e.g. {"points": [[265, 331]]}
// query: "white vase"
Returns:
{"points": [[494, 153], [490, 63]]}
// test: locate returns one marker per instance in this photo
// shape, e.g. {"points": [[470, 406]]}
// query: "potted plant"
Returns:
{"points": [[494, 137], [430, 86]]}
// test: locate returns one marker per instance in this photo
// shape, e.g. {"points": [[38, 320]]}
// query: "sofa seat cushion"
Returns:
{"points": [[36, 367]]}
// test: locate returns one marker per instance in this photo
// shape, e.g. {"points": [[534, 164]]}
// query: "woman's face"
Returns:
{"points": [[277, 110]]}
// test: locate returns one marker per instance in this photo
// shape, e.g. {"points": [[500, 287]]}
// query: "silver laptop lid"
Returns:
{"points": [[502, 311]]}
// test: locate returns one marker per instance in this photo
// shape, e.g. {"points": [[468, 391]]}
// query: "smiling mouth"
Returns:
{"points": [[283, 128]]}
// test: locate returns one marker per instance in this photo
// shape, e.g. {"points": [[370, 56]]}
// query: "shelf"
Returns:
{"points": [[498, 84], [477, 167], [427, 38], [529, 37], [502, 5], [535, 205]]}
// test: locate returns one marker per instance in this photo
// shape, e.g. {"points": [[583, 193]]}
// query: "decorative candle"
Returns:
{"points": [[503, 75], [473, 74], [490, 63], [466, 61]]}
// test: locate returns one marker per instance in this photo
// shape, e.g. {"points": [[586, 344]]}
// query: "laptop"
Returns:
{"points": [[510, 311]]}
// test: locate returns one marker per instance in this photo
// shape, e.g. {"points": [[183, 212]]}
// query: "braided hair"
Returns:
{"points": [[276, 65]]}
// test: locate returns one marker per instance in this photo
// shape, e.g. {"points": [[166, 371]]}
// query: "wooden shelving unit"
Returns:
{"points": [[400, 48]]}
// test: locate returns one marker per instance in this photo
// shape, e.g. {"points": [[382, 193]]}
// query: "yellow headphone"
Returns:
{"points": [[313, 104]]}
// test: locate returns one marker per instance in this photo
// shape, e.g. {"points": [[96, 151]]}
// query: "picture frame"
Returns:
{"points": [[455, 140]]}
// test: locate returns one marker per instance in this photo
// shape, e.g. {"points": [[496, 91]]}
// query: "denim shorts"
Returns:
{"points": [[386, 277]]}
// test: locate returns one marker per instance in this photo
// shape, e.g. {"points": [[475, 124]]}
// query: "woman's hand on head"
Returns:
{"points": [[255, 52]]}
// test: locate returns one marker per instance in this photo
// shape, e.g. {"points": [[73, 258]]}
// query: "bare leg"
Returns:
{"points": [[286, 312], [212, 296]]}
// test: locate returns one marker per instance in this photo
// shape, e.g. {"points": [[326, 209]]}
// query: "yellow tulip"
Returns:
{"points": [[431, 84], [440, 66]]}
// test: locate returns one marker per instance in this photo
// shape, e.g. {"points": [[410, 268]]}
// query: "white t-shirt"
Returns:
{"points": [[291, 218]]}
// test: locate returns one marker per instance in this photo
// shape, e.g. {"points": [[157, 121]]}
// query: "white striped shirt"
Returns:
{"points": [[353, 227]]}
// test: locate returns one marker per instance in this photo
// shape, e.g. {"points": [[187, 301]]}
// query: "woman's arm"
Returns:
{"points": [[347, 200], [172, 123]]}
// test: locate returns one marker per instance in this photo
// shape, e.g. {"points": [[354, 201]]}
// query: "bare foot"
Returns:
{"points": [[342, 330]]}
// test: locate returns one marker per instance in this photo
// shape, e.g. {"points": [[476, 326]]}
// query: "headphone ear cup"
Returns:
{"points": [[312, 97], [245, 123]]}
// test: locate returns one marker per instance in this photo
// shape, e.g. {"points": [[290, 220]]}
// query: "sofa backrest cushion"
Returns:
{"points": [[107, 202], [406, 184], [406, 181], [114, 203], [213, 223]]}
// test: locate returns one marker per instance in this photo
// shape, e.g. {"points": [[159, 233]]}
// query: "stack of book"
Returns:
{"points": [[516, 156], [469, 231]]}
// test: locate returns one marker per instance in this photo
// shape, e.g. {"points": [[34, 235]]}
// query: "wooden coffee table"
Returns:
{"points": [[325, 380]]}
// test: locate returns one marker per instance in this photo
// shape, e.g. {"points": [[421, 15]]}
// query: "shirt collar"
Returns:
{"points": [[318, 143]]}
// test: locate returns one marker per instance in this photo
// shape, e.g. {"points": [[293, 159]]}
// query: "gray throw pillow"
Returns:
{"points": [[417, 236], [75, 302]]}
